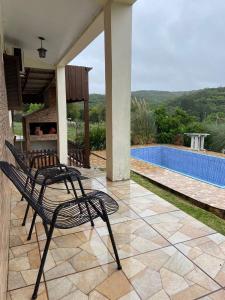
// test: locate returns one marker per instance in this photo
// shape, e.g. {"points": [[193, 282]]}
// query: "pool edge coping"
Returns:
{"points": [[215, 210]]}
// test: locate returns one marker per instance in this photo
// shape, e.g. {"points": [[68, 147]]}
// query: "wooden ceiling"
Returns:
{"points": [[35, 82]]}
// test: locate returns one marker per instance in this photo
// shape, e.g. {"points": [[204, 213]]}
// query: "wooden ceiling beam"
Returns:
{"points": [[45, 89], [26, 78]]}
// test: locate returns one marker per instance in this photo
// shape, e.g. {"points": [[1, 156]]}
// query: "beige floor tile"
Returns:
{"points": [[167, 274], [132, 238], [177, 226], [26, 293], [19, 233], [209, 254], [75, 252], [24, 263], [220, 295], [125, 213], [149, 205], [18, 209], [80, 264], [91, 184], [134, 190], [59, 232], [101, 283], [109, 183]]}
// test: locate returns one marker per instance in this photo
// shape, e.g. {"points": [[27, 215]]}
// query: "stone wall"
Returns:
{"points": [[5, 187]]}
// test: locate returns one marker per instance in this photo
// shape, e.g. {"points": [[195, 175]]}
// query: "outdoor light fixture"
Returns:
{"points": [[42, 51]]}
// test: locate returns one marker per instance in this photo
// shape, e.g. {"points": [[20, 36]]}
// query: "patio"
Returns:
{"points": [[165, 253], [75, 24]]}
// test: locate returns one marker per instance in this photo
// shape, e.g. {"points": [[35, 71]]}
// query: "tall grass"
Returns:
{"points": [[143, 128]]}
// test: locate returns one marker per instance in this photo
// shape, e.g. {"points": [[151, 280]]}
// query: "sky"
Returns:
{"points": [[177, 45]]}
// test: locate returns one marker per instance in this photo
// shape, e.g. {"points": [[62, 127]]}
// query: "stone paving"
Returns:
{"points": [[165, 253], [205, 195]]}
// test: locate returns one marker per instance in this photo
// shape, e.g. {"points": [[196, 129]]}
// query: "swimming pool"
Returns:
{"points": [[207, 168]]}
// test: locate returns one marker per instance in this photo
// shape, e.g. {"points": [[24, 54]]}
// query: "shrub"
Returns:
{"points": [[216, 140], [98, 136], [193, 127], [170, 127]]}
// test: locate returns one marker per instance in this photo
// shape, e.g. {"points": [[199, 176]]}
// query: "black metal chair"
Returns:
{"points": [[58, 214], [40, 174]]}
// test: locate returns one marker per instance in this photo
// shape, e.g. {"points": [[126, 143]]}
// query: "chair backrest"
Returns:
{"points": [[19, 179], [19, 157]]}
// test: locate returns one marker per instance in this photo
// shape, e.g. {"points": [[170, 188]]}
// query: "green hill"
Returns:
{"points": [[151, 96], [157, 97], [201, 103], [96, 99]]}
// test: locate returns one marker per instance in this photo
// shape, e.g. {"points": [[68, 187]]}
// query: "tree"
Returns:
{"points": [[170, 125], [73, 111], [33, 107], [97, 113]]}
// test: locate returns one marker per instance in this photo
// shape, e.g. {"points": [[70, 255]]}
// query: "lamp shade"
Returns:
{"points": [[42, 52]]}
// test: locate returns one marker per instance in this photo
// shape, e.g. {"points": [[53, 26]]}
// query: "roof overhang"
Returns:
{"points": [[61, 23], [68, 27]]}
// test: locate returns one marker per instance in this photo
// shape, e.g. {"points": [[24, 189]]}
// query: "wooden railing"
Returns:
{"points": [[78, 156], [41, 158]]}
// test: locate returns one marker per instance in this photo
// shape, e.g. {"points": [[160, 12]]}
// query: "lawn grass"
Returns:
{"points": [[200, 214], [17, 128]]}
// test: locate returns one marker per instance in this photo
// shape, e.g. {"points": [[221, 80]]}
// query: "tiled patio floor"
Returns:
{"points": [[201, 193], [165, 254]]}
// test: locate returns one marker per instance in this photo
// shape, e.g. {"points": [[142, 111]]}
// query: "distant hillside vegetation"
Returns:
{"points": [[96, 99], [157, 97], [152, 97], [201, 103]]}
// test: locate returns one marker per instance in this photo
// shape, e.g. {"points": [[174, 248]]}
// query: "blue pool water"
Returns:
{"points": [[207, 168]]}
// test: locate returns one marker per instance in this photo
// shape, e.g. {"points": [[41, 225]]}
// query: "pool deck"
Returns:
{"points": [[165, 253], [204, 195]]}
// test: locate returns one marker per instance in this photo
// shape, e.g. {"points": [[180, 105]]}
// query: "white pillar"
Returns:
{"points": [[62, 114], [118, 30]]}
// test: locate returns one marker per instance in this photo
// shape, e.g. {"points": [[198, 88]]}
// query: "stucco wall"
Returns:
{"points": [[5, 187]]}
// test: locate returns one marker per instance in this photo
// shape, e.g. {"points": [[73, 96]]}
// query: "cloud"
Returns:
{"points": [[176, 45]]}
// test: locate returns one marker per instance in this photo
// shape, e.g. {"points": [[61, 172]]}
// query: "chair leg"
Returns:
{"points": [[25, 187], [32, 226], [89, 213], [68, 191], [43, 259], [75, 195], [112, 241], [25, 216]]}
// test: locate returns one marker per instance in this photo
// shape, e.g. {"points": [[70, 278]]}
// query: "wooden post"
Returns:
{"points": [[86, 126]]}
